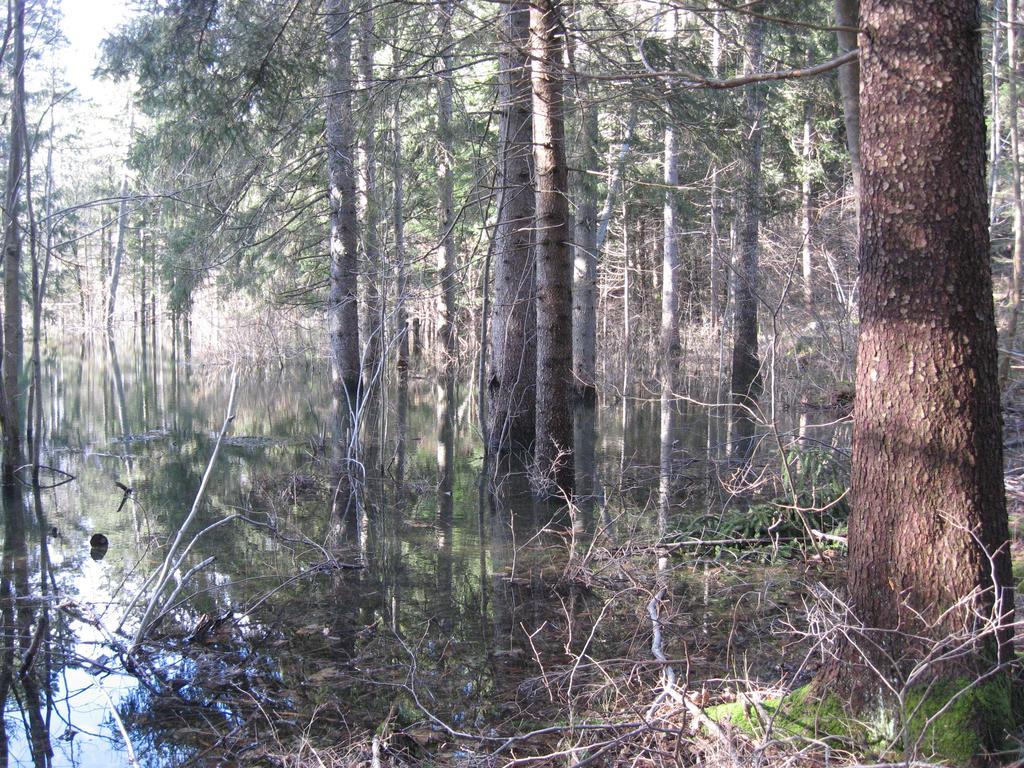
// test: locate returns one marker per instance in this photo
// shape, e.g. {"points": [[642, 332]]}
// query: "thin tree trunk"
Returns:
{"points": [[512, 383], [143, 312], [398, 224], [717, 262], [13, 332], [446, 180], [343, 303], [627, 306], [1015, 177], [371, 322], [929, 541], [604, 218], [115, 267], [847, 13], [806, 202], [554, 437], [670, 248], [585, 254], [670, 349], [995, 139], [746, 364]]}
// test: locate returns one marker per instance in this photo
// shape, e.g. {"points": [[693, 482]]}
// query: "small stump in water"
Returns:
{"points": [[98, 545]]}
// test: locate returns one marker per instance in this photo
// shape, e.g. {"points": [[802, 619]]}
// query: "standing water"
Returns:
{"points": [[356, 597]]}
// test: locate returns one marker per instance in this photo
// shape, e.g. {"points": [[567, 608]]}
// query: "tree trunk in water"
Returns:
{"points": [[1015, 177], [585, 256], [343, 303], [847, 14], [115, 267], [554, 437], [446, 181], [13, 333], [371, 327], [928, 507], [398, 224], [746, 365], [514, 325]]}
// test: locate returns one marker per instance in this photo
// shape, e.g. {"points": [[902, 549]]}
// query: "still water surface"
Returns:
{"points": [[465, 603]]}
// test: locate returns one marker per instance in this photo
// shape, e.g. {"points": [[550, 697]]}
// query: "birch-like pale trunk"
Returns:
{"points": [[806, 203], [718, 271], [371, 327], [670, 348], [118, 258]]}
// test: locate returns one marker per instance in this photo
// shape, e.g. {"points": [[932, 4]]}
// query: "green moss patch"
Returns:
{"points": [[974, 722]]}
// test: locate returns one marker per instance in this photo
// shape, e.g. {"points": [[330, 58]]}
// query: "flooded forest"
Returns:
{"points": [[493, 383]]}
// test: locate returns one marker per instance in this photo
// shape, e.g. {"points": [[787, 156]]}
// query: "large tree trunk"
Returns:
{"points": [[927, 484], [514, 325], [446, 180], [746, 365], [554, 271], [847, 15], [13, 333], [343, 303], [371, 321]]}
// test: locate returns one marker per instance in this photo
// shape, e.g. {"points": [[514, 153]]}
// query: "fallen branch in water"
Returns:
{"points": [[167, 569]]}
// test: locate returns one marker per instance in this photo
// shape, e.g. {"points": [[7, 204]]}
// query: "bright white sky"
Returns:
{"points": [[86, 23]]}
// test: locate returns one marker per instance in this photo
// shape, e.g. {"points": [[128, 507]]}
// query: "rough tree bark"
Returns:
{"points": [[927, 483], [746, 365], [13, 333], [554, 437], [514, 319], [343, 303]]}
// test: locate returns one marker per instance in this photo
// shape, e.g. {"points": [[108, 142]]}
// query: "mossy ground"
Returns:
{"points": [[975, 723]]}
